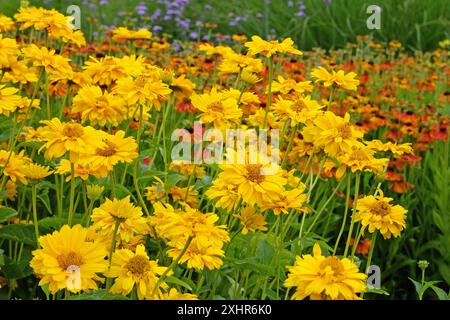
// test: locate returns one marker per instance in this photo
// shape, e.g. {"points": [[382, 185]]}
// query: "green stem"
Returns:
{"points": [[269, 92], [347, 199], [355, 202], [72, 193], [35, 218]]}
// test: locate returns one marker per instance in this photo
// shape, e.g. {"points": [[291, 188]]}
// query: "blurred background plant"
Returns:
{"points": [[329, 24]]}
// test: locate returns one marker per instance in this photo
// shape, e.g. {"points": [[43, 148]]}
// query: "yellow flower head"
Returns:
{"points": [[128, 216], [121, 34], [217, 109], [9, 100], [251, 220], [360, 159], [332, 133], [346, 81], [67, 260], [13, 165], [136, 270], [99, 107], [376, 213], [320, 277], [36, 172], [269, 48]]}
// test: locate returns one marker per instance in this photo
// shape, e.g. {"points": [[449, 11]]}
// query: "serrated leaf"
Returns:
{"points": [[19, 232], [6, 214]]}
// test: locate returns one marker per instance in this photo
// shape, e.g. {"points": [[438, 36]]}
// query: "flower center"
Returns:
{"points": [[254, 173], [216, 107], [140, 81], [345, 131], [102, 102], [73, 130], [334, 263], [69, 260], [380, 208], [108, 151], [138, 266], [298, 106]]}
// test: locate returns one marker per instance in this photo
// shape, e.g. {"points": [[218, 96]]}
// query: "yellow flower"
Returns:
{"points": [[188, 195], [9, 49], [320, 277], [13, 165], [217, 109], [286, 200], [156, 192], [300, 110], [377, 213], [94, 191], [332, 133], [21, 72], [211, 50], [269, 48], [394, 148], [346, 81], [182, 87], [187, 169], [121, 34], [251, 220], [56, 66], [136, 270], [177, 224], [105, 71], [198, 255], [6, 23], [36, 172], [83, 171], [129, 217], [68, 261], [99, 107], [234, 63], [224, 194], [9, 100], [360, 159], [288, 86], [174, 294], [11, 188], [62, 137], [115, 148], [145, 89], [252, 183]]}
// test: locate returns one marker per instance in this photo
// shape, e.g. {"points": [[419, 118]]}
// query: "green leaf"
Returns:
{"points": [[442, 295], [2, 258], [377, 291], [98, 295], [3, 194], [418, 286], [50, 224], [19, 232], [46, 201], [16, 270], [171, 279], [6, 214]]}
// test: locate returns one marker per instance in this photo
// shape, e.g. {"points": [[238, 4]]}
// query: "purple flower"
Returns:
{"points": [[259, 15], [194, 35], [157, 28], [103, 2], [327, 2], [290, 4], [300, 14]]}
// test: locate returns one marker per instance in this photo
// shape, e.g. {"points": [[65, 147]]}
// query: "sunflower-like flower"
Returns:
{"points": [[67, 260], [135, 270], [332, 133], [286, 200], [269, 48], [9, 100], [225, 195], [122, 211], [346, 81], [252, 183], [376, 213], [289, 86], [234, 63], [217, 109], [99, 107], [9, 49], [301, 110], [146, 89], [6, 23], [360, 159], [251, 220], [113, 149], [105, 71], [121, 34], [36, 172], [320, 277], [174, 294], [61, 137], [13, 165]]}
